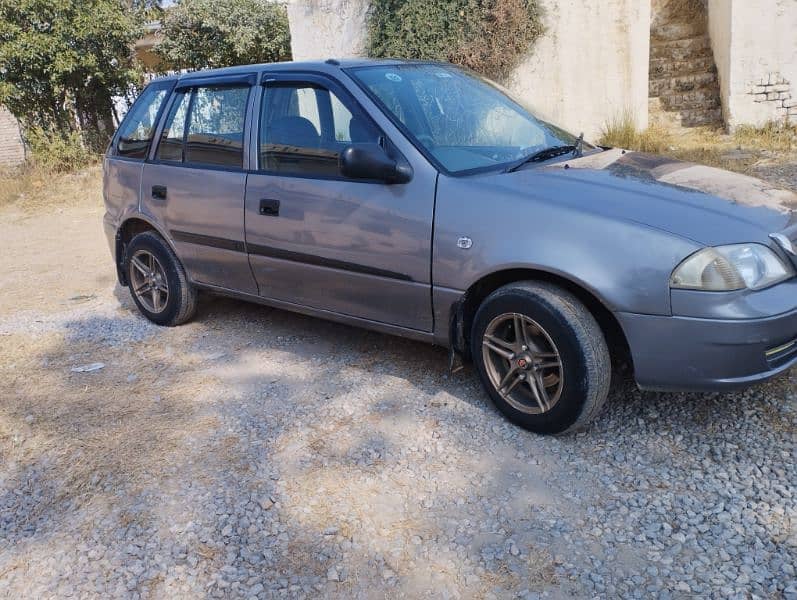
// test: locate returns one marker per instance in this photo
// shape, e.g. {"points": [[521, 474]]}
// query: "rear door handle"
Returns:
{"points": [[159, 192], [270, 208]]}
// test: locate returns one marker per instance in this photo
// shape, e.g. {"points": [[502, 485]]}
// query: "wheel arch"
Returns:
{"points": [[133, 225], [464, 312]]}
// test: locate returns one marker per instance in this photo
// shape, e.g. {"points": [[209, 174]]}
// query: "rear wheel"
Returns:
{"points": [[157, 281], [541, 357]]}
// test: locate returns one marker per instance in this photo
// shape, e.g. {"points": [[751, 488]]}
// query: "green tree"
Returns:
{"points": [[198, 34], [62, 61]]}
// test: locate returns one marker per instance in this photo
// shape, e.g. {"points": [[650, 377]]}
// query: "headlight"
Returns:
{"points": [[726, 268]]}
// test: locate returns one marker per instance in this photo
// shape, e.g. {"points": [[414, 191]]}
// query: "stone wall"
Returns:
{"points": [[755, 47], [590, 66], [12, 150]]}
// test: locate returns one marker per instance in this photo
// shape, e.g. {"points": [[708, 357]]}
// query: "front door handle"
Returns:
{"points": [[270, 208], [159, 192]]}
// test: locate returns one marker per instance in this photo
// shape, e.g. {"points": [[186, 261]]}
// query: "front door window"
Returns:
{"points": [[305, 127]]}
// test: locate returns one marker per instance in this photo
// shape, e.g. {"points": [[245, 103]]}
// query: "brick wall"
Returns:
{"points": [[776, 91], [12, 150]]}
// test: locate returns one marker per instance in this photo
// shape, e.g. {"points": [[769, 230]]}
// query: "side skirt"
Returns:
{"points": [[412, 334]]}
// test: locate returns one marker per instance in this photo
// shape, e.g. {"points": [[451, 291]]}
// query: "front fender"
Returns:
{"points": [[626, 265]]}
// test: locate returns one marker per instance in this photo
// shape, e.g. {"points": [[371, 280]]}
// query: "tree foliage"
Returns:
{"points": [[62, 61], [488, 36], [199, 34]]}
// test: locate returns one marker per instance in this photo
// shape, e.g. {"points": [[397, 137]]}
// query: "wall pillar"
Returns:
{"points": [[755, 49], [322, 29], [591, 65]]}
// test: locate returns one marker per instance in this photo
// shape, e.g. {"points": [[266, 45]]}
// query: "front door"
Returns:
{"points": [[318, 239], [195, 185]]}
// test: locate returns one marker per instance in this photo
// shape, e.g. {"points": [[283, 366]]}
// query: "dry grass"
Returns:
{"points": [[621, 132], [772, 136], [32, 187], [746, 148]]}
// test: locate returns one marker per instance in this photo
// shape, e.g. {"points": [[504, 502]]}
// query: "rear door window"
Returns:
{"points": [[138, 127], [216, 127], [205, 126], [173, 135]]}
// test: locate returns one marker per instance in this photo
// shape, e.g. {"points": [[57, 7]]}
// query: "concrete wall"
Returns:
{"points": [[755, 47], [12, 150], [327, 28], [591, 65], [719, 30]]}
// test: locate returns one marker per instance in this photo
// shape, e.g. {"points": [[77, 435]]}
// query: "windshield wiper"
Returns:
{"points": [[545, 154]]}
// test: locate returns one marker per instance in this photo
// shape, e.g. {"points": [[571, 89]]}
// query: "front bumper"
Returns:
{"points": [[698, 354]]}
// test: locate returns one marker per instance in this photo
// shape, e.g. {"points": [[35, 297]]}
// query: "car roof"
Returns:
{"points": [[322, 66]]}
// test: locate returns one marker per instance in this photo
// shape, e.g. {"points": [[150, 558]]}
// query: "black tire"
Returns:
{"points": [[179, 304], [559, 320]]}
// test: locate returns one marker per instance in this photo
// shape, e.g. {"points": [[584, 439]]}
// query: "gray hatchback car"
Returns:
{"points": [[418, 199]]}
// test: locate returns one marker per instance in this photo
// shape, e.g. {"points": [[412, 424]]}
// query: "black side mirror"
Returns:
{"points": [[370, 161]]}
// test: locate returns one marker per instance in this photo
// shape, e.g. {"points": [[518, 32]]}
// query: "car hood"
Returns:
{"points": [[703, 204]]}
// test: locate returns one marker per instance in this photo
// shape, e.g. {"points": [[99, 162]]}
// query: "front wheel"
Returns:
{"points": [[157, 281], [541, 357]]}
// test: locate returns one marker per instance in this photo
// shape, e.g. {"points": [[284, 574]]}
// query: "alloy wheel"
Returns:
{"points": [[523, 363], [148, 281]]}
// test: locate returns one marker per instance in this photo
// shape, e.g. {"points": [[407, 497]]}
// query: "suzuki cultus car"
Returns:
{"points": [[418, 199]]}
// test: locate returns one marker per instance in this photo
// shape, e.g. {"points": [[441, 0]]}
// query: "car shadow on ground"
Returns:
{"points": [[311, 339]]}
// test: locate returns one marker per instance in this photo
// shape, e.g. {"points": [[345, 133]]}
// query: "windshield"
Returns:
{"points": [[463, 121]]}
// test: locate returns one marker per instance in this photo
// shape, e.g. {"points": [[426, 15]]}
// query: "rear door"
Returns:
{"points": [[129, 149], [194, 185], [316, 238]]}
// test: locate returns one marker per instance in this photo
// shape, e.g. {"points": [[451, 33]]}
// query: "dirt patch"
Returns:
{"points": [[53, 258]]}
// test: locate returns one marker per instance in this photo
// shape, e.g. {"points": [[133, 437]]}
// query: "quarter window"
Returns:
{"points": [[304, 128], [137, 129]]}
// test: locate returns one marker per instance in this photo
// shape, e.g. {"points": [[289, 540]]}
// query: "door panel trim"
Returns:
{"points": [[208, 240], [320, 261], [278, 253]]}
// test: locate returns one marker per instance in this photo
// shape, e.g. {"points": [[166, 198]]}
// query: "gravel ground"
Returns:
{"points": [[256, 453]]}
